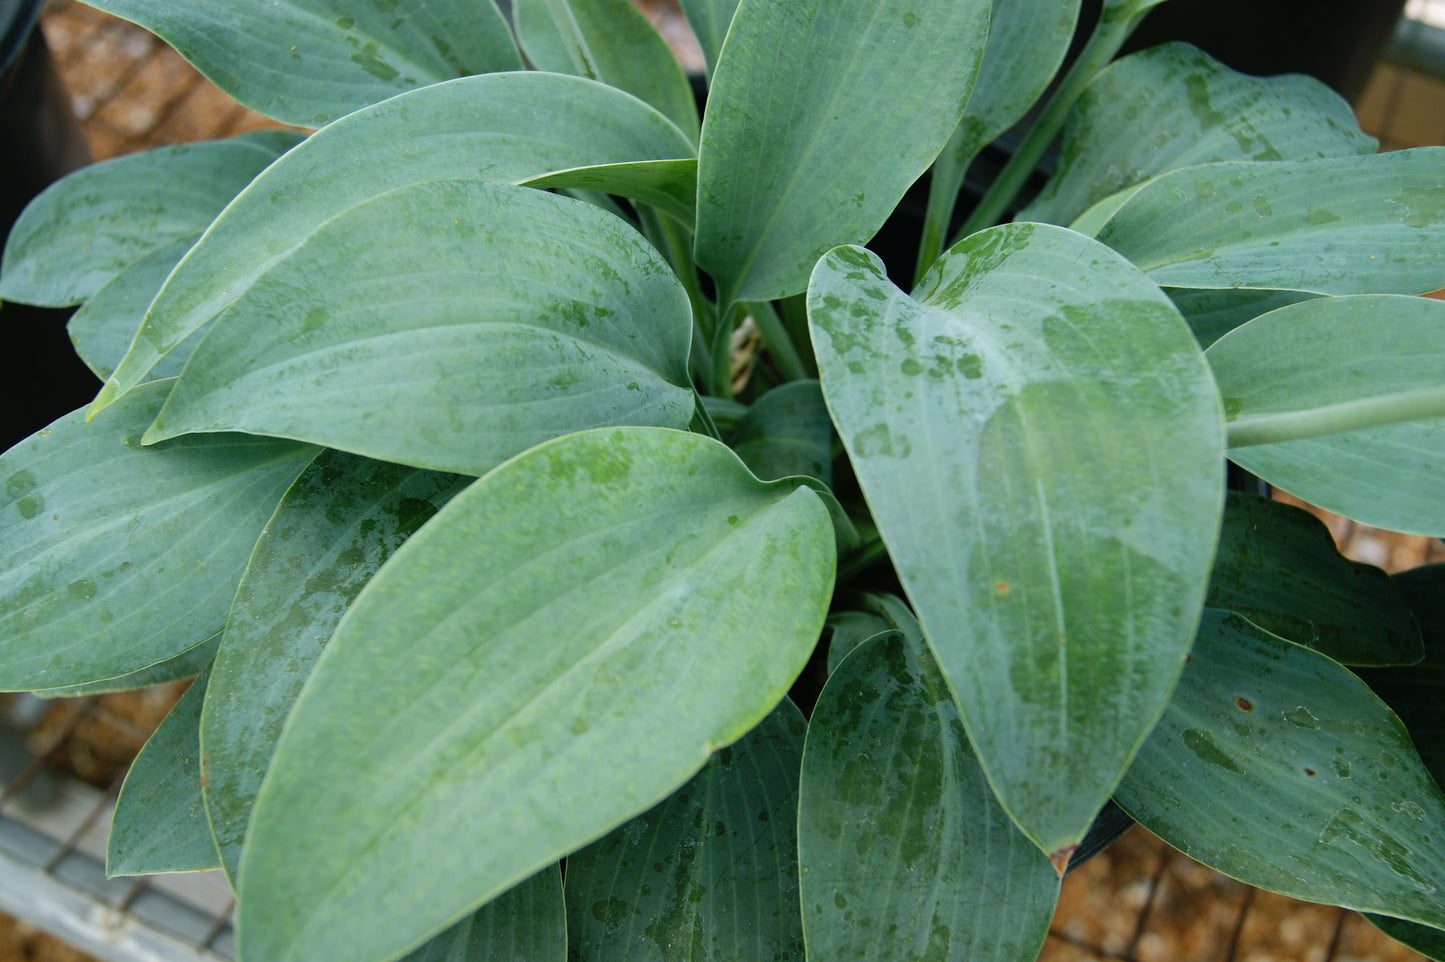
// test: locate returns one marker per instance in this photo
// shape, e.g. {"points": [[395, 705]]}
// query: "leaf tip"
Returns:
{"points": [[1060, 858]]}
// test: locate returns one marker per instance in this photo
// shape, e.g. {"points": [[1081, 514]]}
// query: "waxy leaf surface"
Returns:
{"points": [[503, 127], [307, 62], [787, 432], [905, 855], [1342, 225], [1057, 584], [1339, 401], [188, 664], [561, 647], [820, 115], [342, 518], [710, 873], [160, 817], [1214, 313], [1175, 106], [710, 20], [494, 317], [1259, 726], [122, 556], [86, 228], [526, 922], [1277, 565]]}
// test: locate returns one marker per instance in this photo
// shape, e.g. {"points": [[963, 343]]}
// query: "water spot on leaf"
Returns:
{"points": [[369, 59], [1201, 743], [910, 18], [19, 484], [1426, 205], [345, 23], [1261, 206], [1317, 217], [30, 506], [1301, 717], [611, 912]]}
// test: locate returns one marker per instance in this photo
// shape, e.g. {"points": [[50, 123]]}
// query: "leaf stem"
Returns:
{"points": [[776, 339], [702, 419], [949, 170], [1109, 35], [722, 335], [1337, 418]]}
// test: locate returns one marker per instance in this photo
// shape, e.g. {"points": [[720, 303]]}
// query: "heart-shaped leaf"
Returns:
{"points": [[160, 818], [1278, 767], [1339, 401], [904, 853], [122, 556], [521, 314], [1277, 565], [1058, 586], [873, 92], [711, 872], [1175, 106], [84, 229], [560, 648], [342, 518], [502, 127], [307, 62]]}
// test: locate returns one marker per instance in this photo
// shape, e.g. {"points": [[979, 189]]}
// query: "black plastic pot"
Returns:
{"points": [[42, 143]]}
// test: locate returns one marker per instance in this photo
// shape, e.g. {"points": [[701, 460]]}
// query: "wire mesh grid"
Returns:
{"points": [[1138, 902]]}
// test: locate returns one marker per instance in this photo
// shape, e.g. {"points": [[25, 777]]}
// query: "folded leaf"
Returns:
{"points": [[1175, 106], [1276, 766], [335, 56], [1345, 225], [342, 518], [904, 853], [1012, 429], [84, 229], [1277, 565], [1339, 401], [123, 556], [560, 648], [503, 127], [669, 185], [493, 318], [873, 92], [711, 872], [160, 819]]}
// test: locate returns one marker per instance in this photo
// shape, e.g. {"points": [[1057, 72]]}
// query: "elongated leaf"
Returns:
{"points": [[710, 20], [121, 556], [1277, 565], [1175, 106], [526, 922], [1278, 767], [539, 37], [342, 518], [612, 41], [503, 127], [1414, 692], [904, 853], [160, 818], [307, 62], [1346, 225], [787, 432], [1429, 942], [710, 873], [188, 664], [521, 315], [1057, 586], [1339, 401], [563, 645], [103, 327], [85, 229], [1213, 314], [669, 185], [821, 114]]}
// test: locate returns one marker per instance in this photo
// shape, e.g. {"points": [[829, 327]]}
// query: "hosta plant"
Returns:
{"points": [[588, 548]]}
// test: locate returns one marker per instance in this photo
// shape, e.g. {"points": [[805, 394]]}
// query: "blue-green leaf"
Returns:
{"points": [[787, 432]]}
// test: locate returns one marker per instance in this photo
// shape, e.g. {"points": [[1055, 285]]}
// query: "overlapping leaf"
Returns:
{"points": [[1175, 106], [904, 853], [787, 432], [1057, 585], [710, 873], [1277, 565], [342, 518], [710, 20], [1339, 400], [1214, 313], [502, 127], [86, 228], [563, 645], [307, 62], [188, 664], [820, 115], [160, 818], [121, 556], [493, 318], [1344, 225], [1259, 726], [526, 922]]}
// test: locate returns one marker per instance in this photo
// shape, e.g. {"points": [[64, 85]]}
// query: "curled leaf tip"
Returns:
{"points": [[1060, 858]]}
